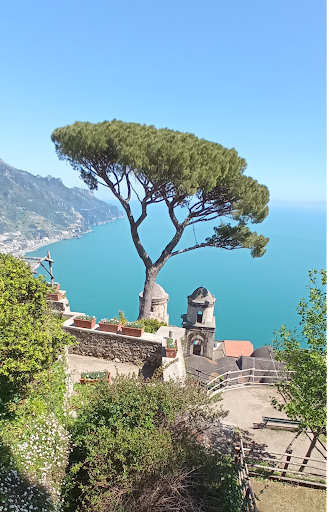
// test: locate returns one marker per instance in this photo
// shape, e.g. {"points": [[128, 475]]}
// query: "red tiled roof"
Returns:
{"points": [[237, 348]]}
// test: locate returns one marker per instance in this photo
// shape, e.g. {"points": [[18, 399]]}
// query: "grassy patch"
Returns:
{"points": [[277, 496]]}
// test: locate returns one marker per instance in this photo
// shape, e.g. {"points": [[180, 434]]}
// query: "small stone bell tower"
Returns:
{"points": [[200, 323], [158, 304]]}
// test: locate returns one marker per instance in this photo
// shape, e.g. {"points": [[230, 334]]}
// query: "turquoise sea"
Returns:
{"points": [[102, 272]]}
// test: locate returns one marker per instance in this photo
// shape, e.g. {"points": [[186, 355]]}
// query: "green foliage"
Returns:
{"points": [[122, 317], [85, 317], [114, 321], [95, 375], [39, 207], [202, 178], [171, 343], [305, 395], [31, 338], [151, 324], [135, 325], [34, 442], [174, 167], [134, 441]]}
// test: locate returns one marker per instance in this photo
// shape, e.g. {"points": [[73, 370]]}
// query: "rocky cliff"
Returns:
{"points": [[33, 208]]}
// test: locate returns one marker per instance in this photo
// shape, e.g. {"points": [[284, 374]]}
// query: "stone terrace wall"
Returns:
{"points": [[124, 349]]}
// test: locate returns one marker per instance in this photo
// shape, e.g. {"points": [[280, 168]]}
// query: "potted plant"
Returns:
{"points": [[110, 325], [133, 329], [92, 377], [171, 348], [85, 321], [54, 295], [55, 286]]}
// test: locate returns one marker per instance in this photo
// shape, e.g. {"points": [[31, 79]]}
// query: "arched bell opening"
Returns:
{"points": [[197, 348]]}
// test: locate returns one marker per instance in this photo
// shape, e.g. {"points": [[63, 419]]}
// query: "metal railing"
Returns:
{"points": [[249, 377]]}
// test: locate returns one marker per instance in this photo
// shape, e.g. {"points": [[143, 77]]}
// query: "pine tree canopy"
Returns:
{"points": [[179, 169]]}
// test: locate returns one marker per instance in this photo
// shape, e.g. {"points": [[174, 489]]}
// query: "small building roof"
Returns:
{"points": [[201, 296], [158, 293], [264, 352], [237, 348]]}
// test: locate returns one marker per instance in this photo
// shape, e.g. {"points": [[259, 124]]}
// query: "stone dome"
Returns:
{"points": [[201, 296], [158, 293]]}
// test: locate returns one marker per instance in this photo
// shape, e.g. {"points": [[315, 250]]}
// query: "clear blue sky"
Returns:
{"points": [[249, 74]]}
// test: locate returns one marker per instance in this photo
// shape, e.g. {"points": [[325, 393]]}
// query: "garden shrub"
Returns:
{"points": [[151, 324], [135, 443], [31, 338], [34, 442]]}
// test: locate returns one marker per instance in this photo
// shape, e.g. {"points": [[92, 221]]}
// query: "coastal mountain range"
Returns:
{"points": [[36, 209]]}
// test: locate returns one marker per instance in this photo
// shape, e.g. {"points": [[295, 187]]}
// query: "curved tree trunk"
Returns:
{"points": [[151, 275]]}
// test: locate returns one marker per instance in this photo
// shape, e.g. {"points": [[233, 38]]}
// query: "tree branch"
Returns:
{"points": [[133, 225]]}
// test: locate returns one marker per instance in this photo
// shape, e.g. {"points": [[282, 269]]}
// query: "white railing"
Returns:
{"points": [[249, 377], [244, 478], [286, 467]]}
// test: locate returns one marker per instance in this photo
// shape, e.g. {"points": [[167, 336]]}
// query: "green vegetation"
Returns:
{"points": [[34, 443], [203, 178], [31, 338], [114, 321], [95, 375], [305, 394], [135, 325], [171, 343], [85, 317], [137, 448], [39, 207], [151, 324]]}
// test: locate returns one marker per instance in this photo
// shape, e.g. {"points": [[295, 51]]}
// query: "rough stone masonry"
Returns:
{"points": [[116, 347]]}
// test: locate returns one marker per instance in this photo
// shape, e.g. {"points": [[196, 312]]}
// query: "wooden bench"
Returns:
{"points": [[278, 422]]}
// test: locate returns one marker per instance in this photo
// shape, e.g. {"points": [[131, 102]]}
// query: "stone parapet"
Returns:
{"points": [[59, 306], [116, 347]]}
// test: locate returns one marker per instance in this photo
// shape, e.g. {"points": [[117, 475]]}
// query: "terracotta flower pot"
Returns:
{"points": [[54, 296], [85, 324], [171, 352], [103, 326], [132, 331]]}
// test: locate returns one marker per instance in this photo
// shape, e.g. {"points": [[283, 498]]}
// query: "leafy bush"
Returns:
{"points": [[136, 447], [151, 324], [31, 338], [85, 317]]}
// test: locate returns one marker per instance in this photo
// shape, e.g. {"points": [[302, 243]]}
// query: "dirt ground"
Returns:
{"points": [[247, 406], [78, 364], [280, 497]]}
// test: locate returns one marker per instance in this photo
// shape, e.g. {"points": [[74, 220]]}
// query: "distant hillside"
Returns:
{"points": [[36, 208]]}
